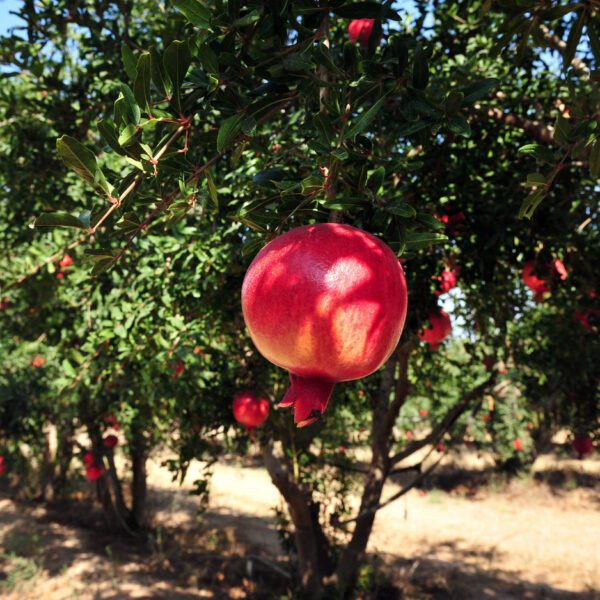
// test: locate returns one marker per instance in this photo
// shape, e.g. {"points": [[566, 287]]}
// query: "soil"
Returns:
{"points": [[467, 535]]}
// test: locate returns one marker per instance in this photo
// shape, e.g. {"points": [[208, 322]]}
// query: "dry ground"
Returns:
{"points": [[535, 538]]}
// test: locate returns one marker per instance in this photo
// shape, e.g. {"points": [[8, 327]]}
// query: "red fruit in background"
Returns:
{"points": [[439, 329], [559, 269], [60, 275], [485, 418], [38, 361], [197, 350], [342, 449], [2, 465], [93, 472], [111, 421], [250, 410], [4, 304], [409, 435], [360, 29], [423, 412], [88, 459], [326, 302], [517, 445], [583, 317], [440, 447], [110, 441], [446, 281], [533, 282], [276, 147], [66, 261], [178, 367], [583, 445]]}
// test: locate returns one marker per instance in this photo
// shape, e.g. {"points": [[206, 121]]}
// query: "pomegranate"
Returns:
{"points": [[178, 367], [38, 361], [88, 459], [583, 445], [518, 445], [93, 472], [110, 441], [66, 261], [439, 329], [326, 302], [423, 412], [446, 281], [536, 284], [250, 410], [583, 317], [111, 421], [360, 29], [2, 465]]}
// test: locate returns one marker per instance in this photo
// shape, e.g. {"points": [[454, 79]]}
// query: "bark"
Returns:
{"points": [[314, 561], [138, 487]]}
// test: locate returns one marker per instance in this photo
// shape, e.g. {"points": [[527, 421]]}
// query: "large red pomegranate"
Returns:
{"points": [[439, 329], [583, 445], [360, 29], [326, 302], [250, 410]]}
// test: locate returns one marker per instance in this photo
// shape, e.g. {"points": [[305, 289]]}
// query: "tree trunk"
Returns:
{"points": [[138, 486], [314, 560]]}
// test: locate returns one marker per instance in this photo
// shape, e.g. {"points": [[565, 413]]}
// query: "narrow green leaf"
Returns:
{"points": [[141, 85], [531, 202], [159, 74], [209, 59], [128, 135], [562, 128], [417, 241], [212, 188], [540, 153], [401, 209], [132, 110], [460, 126], [177, 60], [595, 160], [129, 61], [420, 69], [228, 131], [364, 119], [101, 266], [478, 89], [59, 219], [194, 11]]}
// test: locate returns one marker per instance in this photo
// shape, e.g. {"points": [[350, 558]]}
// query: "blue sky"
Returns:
{"points": [[6, 19]]}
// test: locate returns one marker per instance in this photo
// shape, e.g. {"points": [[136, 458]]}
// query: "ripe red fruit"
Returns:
{"points": [[360, 29], [446, 281], [88, 459], [517, 445], [66, 261], [276, 147], [538, 285], [111, 421], [423, 412], [38, 361], [178, 367], [485, 418], [409, 435], [110, 441], [250, 410], [583, 445], [60, 275], [342, 449], [326, 302], [2, 465], [440, 447], [438, 330], [93, 472]]}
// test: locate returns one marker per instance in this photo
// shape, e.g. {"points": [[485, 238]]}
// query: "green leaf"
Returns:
{"points": [[194, 11], [417, 241], [429, 220], [365, 118], [132, 110], [129, 61], [540, 153], [453, 102], [478, 89], [420, 69], [208, 59], [159, 74], [375, 179], [401, 209], [102, 265], [141, 85], [297, 63], [595, 160], [410, 128], [108, 130], [177, 60], [322, 55], [228, 131], [562, 129], [536, 180], [212, 188], [83, 161], [252, 246], [339, 153], [531, 202], [573, 40], [59, 219], [460, 126], [128, 135]]}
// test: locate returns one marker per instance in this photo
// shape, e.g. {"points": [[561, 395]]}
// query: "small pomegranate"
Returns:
{"points": [[60, 275], [441, 448], [540, 286], [409, 436], [111, 421], [66, 261], [93, 472], [178, 367], [88, 459], [439, 329], [423, 412], [249, 410], [326, 302], [360, 30], [38, 361], [276, 147], [2, 465], [583, 445], [518, 445], [446, 282], [110, 441]]}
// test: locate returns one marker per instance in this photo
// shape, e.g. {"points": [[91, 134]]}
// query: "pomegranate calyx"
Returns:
{"points": [[309, 397]]}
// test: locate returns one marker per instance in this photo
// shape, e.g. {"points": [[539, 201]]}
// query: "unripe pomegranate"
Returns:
{"points": [[446, 281], [360, 29], [326, 302], [583, 445], [439, 329], [250, 410], [110, 441]]}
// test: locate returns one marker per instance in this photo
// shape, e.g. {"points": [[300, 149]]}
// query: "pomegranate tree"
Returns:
{"points": [[327, 303], [249, 410]]}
